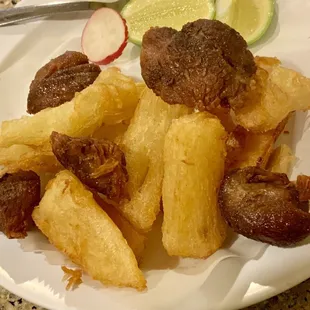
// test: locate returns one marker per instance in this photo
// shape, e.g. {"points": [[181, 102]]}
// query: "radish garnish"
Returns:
{"points": [[104, 36]]}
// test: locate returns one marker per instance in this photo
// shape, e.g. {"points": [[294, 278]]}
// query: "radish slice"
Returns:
{"points": [[104, 36]]}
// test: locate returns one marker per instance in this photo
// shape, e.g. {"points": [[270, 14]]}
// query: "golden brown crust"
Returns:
{"points": [[98, 163], [204, 65]]}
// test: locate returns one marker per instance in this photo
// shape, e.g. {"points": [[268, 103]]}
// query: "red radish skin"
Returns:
{"points": [[105, 36]]}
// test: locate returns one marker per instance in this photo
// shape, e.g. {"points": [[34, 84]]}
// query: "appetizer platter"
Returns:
{"points": [[167, 173]]}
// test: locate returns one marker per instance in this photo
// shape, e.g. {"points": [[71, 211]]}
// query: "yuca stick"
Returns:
{"points": [[143, 145], [194, 159], [101, 102]]}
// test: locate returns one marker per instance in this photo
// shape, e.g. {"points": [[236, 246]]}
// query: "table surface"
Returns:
{"points": [[294, 299]]}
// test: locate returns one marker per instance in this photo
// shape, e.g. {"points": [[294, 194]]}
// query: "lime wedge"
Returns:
{"points": [[251, 18], [140, 15]]}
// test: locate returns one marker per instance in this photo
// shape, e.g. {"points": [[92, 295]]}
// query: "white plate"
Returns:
{"points": [[243, 273]]}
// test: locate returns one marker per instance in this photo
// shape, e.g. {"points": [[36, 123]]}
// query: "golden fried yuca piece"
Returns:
{"points": [[225, 116], [275, 92], [194, 158], [113, 133], [23, 157], [135, 239], [125, 93], [140, 87], [102, 102], [281, 159], [246, 148], [143, 147], [72, 220]]}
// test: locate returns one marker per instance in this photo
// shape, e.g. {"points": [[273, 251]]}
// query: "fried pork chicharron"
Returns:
{"points": [[19, 194], [264, 206], [207, 65], [204, 65], [59, 80], [98, 163]]}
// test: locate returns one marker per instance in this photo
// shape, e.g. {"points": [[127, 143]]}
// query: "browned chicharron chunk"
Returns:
{"points": [[19, 194], [59, 80], [98, 163]]}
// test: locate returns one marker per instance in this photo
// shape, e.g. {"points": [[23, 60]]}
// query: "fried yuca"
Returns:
{"points": [[143, 147], [72, 220], [246, 148], [24, 157], [194, 159], [281, 160], [276, 92], [110, 99], [113, 133], [135, 240]]}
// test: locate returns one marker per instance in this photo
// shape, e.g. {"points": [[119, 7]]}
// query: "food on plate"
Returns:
{"points": [[263, 206], [281, 159], [194, 161], [225, 116], [72, 221], [59, 80], [274, 93], [303, 187], [64, 61], [143, 145], [125, 91], [23, 157], [193, 141], [141, 15], [113, 133], [135, 240], [104, 36], [100, 164], [101, 102], [204, 65], [251, 18], [207, 64], [19, 194], [74, 277], [246, 148], [61, 87]]}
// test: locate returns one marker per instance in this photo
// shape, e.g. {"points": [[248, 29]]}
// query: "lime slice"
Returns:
{"points": [[251, 18], [140, 15]]}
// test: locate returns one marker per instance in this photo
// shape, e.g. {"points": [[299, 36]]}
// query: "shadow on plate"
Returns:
{"points": [[20, 266]]}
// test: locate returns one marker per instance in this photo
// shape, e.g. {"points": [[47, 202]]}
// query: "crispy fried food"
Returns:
{"points": [[246, 148], [303, 187], [194, 157], [263, 206], [225, 116], [113, 133], [143, 147], [126, 94], [23, 157], [101, 102], [19, 194], [61, 87], [281, 159], [140, 87], [74, 277], [273, 94], [204, 65], [99, 164], [135, 240], [72, 220], [66, 60]]}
